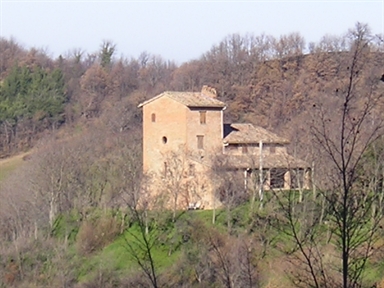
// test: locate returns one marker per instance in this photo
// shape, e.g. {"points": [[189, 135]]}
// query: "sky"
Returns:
{"points": [[176, 30]]}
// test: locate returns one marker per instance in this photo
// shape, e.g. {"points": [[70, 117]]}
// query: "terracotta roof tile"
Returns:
{"points": [[247, 133], [189, 99]]}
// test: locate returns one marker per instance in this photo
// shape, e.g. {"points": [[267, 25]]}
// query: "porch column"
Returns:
{"points": [[287, 180], [245, 180]]}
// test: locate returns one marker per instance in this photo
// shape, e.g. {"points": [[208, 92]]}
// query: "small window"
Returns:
{"points": [[153, 117], [203, 117], [200, 142], [244, 149], [165, 140], [272, 149]]}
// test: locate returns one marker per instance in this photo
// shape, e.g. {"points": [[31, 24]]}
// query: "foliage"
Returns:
{"points": [[32, 93], [31, 98]]}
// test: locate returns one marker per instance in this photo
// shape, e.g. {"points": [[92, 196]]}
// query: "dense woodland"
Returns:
{"points": [[77, 191], [271, 82]]}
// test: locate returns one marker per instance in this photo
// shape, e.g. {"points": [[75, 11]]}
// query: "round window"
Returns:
{"points": [[165, 140]]}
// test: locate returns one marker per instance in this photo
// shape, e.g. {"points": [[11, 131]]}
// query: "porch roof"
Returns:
{"points": [[268, 161], [246, 133]]}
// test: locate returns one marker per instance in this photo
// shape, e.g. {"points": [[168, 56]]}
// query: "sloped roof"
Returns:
{"points": [[237, 133], [278, 160], [189, 99]]}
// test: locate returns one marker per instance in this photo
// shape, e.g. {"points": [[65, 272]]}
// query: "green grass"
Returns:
{"points": [[10, 164], [118, 257], [169, 246], [373, 274], [169, 240]]}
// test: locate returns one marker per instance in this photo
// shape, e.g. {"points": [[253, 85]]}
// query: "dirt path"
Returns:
{"points": [[5, 161]]}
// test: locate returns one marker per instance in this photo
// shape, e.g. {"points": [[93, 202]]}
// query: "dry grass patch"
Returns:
{"points": [[96, 234], [7, 165]]}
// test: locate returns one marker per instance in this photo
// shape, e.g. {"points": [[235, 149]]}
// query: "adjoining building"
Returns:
{"points": [[184, 135]]}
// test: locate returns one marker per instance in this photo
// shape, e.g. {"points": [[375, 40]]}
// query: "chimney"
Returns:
{"points": [[209, 91]]}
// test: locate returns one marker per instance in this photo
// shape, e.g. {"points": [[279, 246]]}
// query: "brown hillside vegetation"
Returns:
{"points": [[266, 81], [79, 114]]}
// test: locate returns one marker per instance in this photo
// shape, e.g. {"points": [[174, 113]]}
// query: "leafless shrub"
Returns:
{"points": [[94, 235], [103, 277], [135, 279]]}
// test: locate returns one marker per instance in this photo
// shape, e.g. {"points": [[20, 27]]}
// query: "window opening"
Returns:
{"points": [[200, 142], [203, 117], [277, 178]]}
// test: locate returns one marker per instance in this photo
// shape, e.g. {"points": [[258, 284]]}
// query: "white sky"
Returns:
{"points": [[176, 30]]}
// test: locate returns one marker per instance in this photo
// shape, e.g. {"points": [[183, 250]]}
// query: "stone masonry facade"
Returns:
{"points": [[183, 132]]}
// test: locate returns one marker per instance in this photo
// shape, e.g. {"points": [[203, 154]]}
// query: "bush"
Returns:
{"points": [[95, 235], [102, 277]]}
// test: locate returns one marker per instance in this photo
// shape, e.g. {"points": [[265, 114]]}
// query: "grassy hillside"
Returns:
{"points": [[7, 165], [191, 243], [175, 250]]}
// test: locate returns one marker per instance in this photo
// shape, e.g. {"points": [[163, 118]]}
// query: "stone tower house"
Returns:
{"points": [[184, 133], [188, 123]]}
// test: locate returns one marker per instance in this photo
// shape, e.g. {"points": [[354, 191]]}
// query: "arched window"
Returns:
{"points": [[153, 117]]}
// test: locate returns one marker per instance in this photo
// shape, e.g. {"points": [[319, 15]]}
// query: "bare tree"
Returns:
{"points": [[140, 245], [343, 133], [181, 182], [230, 186], [174, 178]]}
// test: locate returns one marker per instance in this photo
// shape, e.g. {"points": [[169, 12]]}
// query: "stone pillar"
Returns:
{"points": [[245, 180], [287, 180]]}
